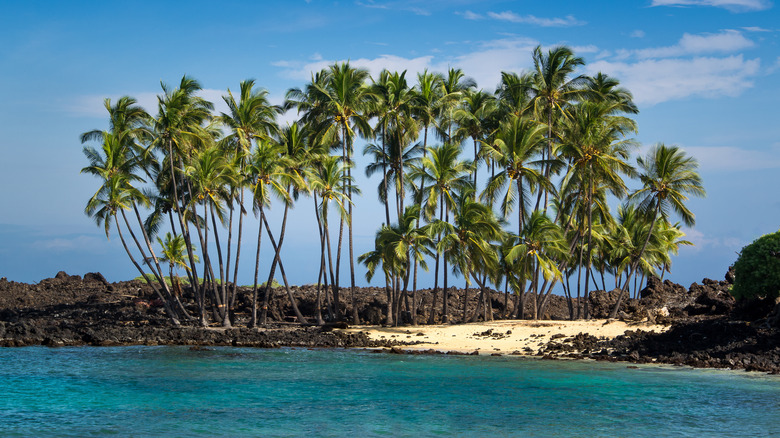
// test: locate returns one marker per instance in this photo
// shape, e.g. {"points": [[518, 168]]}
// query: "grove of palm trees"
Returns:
{"points": [[530, 189]]}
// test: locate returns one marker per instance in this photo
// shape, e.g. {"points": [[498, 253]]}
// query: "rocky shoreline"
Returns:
{"points": [[707, 327]]}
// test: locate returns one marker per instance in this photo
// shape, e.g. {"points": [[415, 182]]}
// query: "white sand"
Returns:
{"points": [[506, 337]]}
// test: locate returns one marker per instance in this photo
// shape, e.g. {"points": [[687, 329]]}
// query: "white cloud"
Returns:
{"points": [[468, 15], [396, 5], [732, 5], [484, 64], [79, 243], [723, 42], [637, 34], [512, 17], [733, 159], [755, 29], [654, 81], [374, 66], [702, 241]]}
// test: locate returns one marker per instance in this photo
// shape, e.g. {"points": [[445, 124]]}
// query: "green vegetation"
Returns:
{"points": [[757, 270], [509, 188]]}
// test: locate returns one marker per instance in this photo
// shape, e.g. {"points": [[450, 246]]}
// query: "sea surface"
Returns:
{"points": [[175, 391]]}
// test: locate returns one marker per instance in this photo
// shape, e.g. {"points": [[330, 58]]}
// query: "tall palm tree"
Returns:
{"points": [[292, 167], [553, 88], [327, 181], [251, 117], [336, 102], [178, 129], [211, 177], [514, 95], [452, 88], [668, 177], [116, 195], [447, 175], [594, 143], [268, 170]]}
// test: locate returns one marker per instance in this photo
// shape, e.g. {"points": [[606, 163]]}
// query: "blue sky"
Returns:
{"points": [[704, 74]]}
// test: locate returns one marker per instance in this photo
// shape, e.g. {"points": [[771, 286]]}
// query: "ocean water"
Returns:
{"points": [[174, 391]]}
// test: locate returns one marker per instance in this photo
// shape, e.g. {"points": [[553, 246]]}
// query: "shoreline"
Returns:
{"points": [[502, 337], [701, 326]]}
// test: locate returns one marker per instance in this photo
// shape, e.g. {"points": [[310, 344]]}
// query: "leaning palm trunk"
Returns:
{"points": [[355, 318], [224, 309], [253, 322], [278, 260], [196, 287], [635, 265], [167, 307]]}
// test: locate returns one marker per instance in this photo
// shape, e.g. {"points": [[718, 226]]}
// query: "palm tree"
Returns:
{"points": [[395, 247], [178, 130], [539, 246], [267, 169], [553, 89], [336, 103], [211, 177], [116, 195], [516, 148], [466, 240], [668, 177], [447, 174], [327, 181], [474, 120], [292, 166], [252, 117], [594, 144], [174, 252], [514, 95], [452, 88]]}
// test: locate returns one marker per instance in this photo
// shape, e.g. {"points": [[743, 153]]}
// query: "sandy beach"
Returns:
{"points": [[503, 337]]}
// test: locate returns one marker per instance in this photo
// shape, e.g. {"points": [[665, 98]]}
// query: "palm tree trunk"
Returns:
{"points": [[196, 287], [322, 263], [238, 248], [253, 322], [278, 260], [168, 310], [355, 318], [636, 263], [224, 309]]}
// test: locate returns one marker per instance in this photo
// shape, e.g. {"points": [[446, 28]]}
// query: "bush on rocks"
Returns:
{"points": [[757, 270]]}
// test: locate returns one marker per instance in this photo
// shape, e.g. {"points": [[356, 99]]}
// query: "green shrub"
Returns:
{"points": [[757, 270]]}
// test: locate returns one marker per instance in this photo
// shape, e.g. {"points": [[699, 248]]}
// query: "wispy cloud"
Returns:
{"points": [[731, 5], [726, 41], [408, 6], [654, 81], [373, 65], [734, 159], [513, 17], [469, 15], [484, 64], [702, 241], [637, 34], [78, 243]]}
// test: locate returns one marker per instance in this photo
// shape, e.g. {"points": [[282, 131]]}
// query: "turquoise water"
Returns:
{"points": [[173, 391]]}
